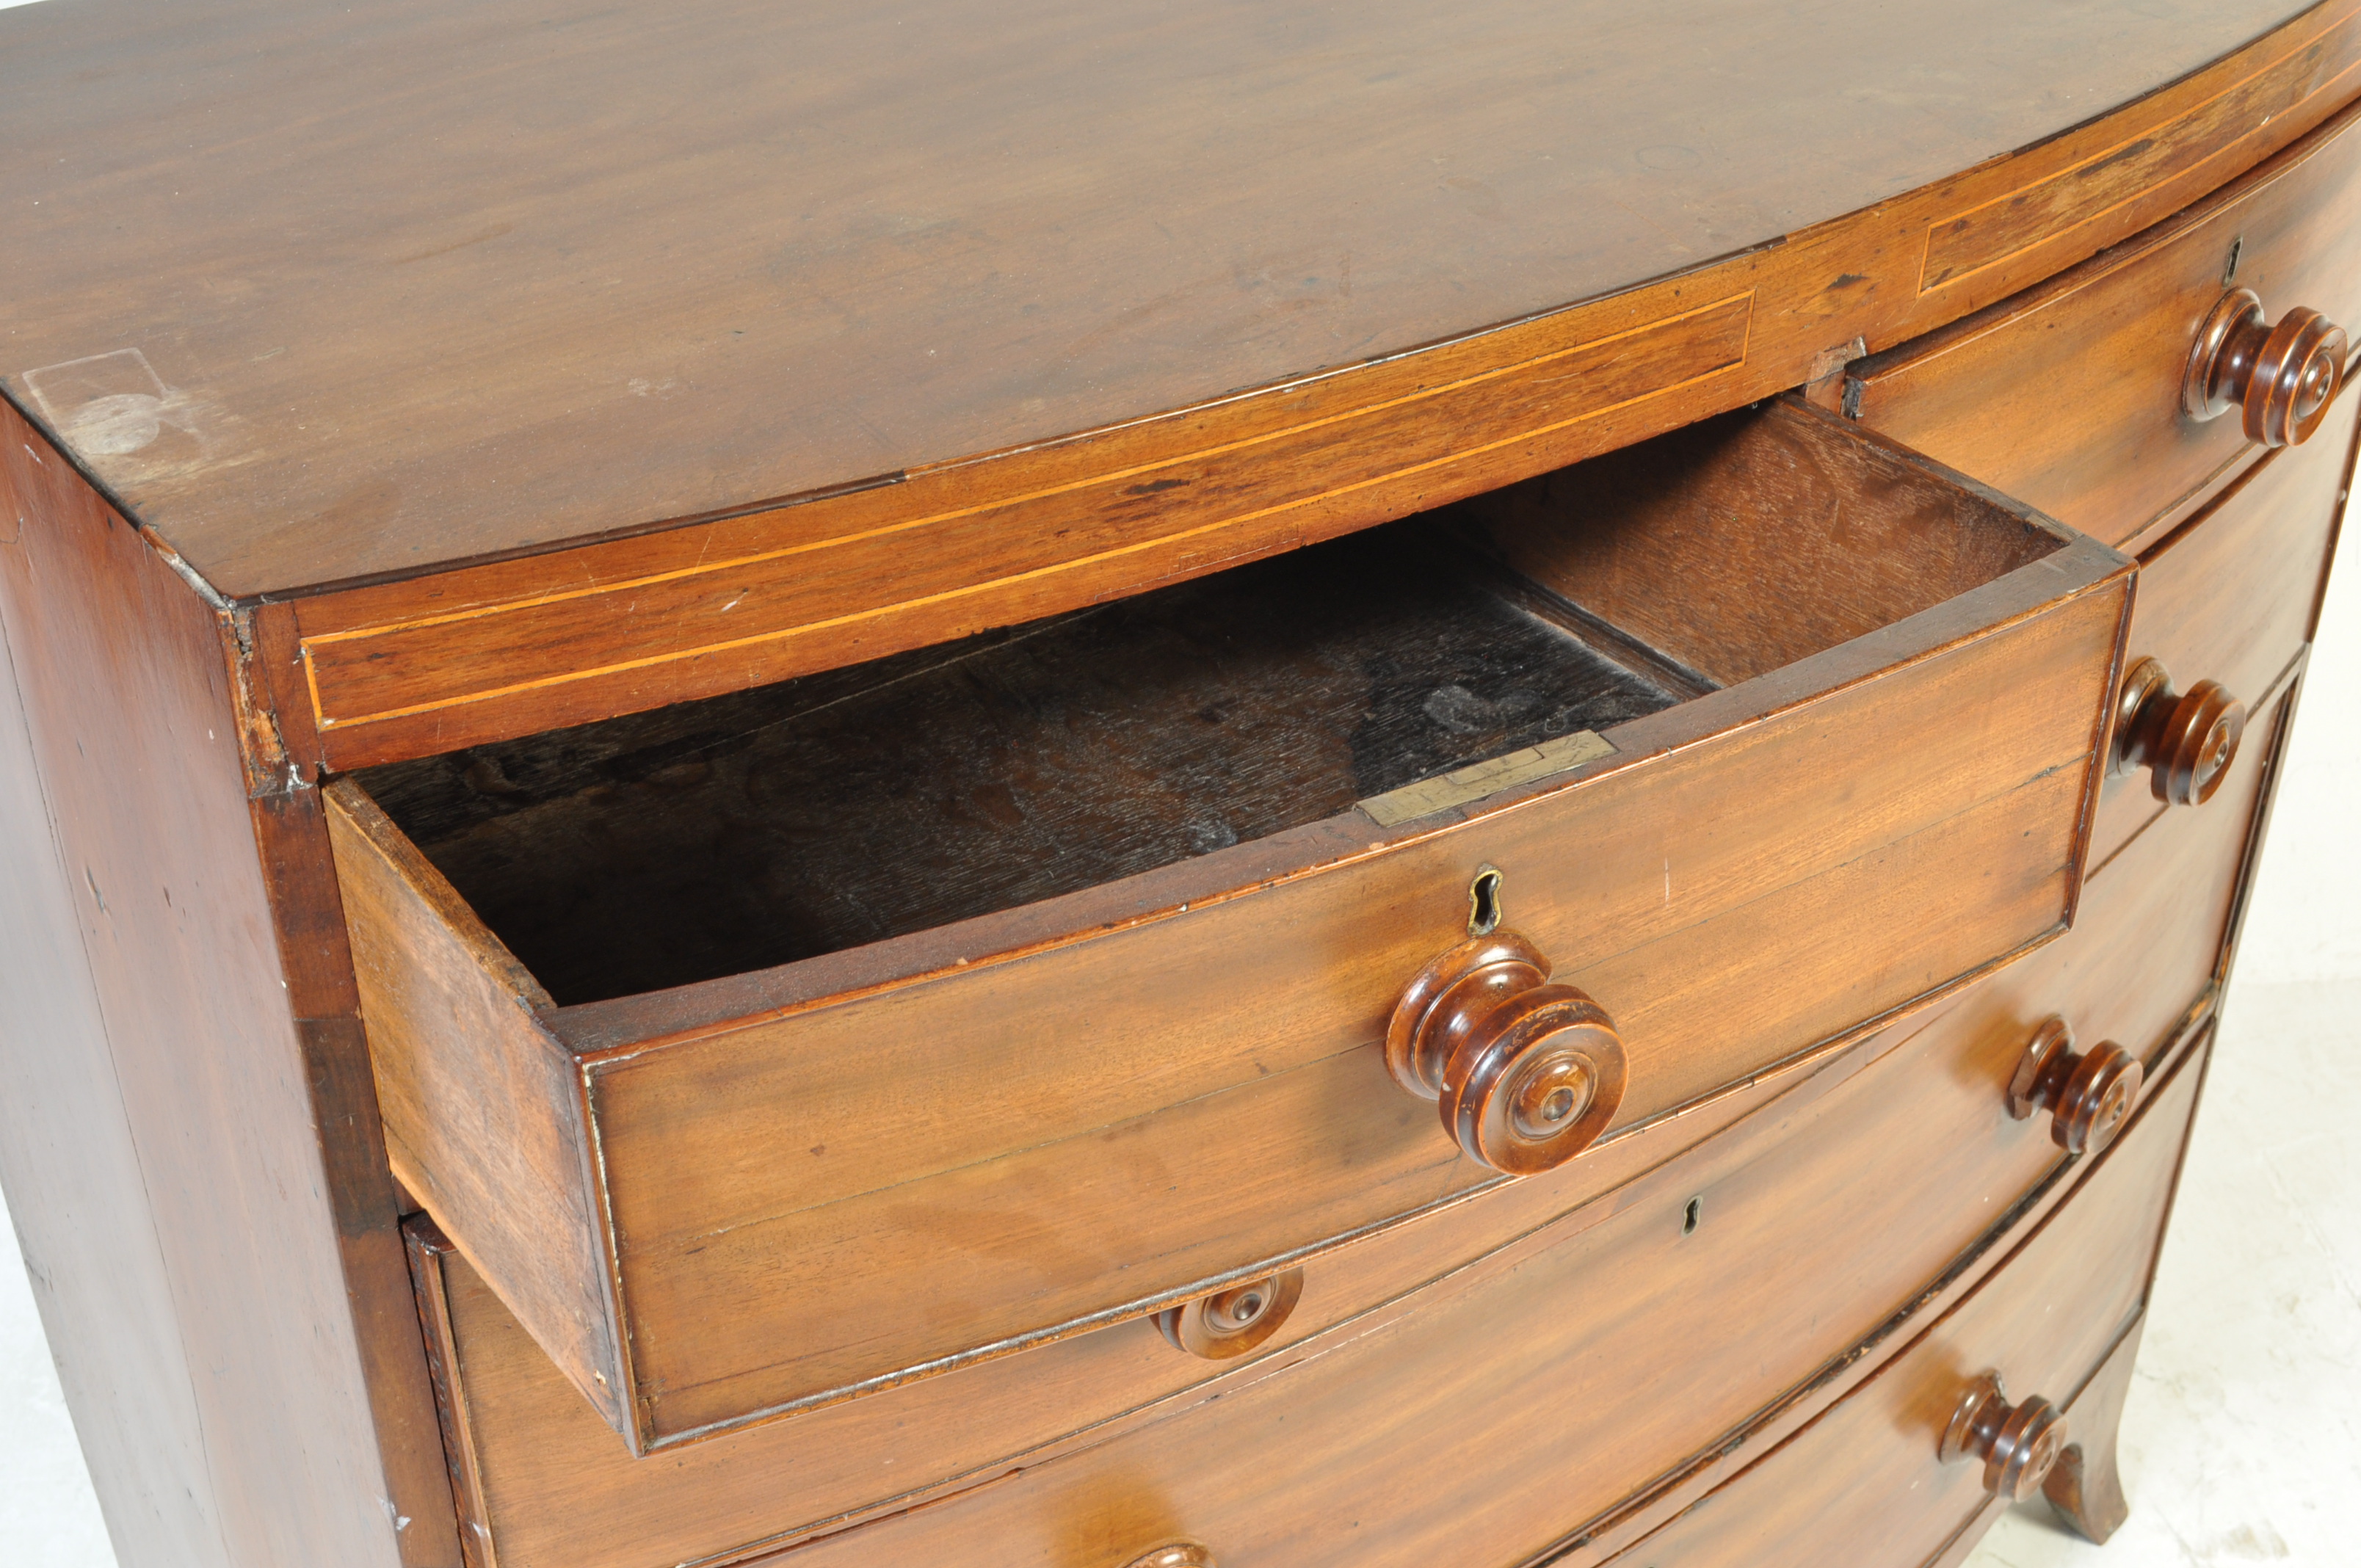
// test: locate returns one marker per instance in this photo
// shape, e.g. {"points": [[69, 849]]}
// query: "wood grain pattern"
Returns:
{"points": [[188, 1141], [1157, 1138], [1867, 1470], [316, 970], [503, 1087], [2067, 397], [684, 275], [557, 1487], [1385, 1450], [2232, 596], [768, 457], [2148, 174]]}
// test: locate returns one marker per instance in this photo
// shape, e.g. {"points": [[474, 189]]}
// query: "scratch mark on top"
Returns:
{"points": [[493, 232]]}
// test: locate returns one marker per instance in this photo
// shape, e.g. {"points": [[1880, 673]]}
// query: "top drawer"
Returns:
{"points": [[2069, 396], [772, 1049]]}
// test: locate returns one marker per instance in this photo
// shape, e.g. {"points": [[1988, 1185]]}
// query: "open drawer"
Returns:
{"points": [[768, 1050]]}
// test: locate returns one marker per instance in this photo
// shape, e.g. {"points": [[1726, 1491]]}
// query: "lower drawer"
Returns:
{"points": [[1871, 1470], [1611, 1332]]}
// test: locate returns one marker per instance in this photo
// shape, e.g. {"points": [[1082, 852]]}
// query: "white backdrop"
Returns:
{"points": [[2243, 1434]]}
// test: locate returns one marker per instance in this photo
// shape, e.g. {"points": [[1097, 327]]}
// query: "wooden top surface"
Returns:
{"points": [[322, 295]]}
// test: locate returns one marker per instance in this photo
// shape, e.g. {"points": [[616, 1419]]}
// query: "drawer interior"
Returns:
{"points": [[777, 1049], [862, 804]]}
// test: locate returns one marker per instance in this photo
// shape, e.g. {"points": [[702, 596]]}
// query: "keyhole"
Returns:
{"points": [[2230, 272], [1691, 1215], [1484, 903]]}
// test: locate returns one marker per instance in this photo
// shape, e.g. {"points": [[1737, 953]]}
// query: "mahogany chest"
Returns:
{"points": [[1127, 787]]}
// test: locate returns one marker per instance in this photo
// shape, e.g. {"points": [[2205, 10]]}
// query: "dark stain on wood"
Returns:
{"points": [[846, 807]]}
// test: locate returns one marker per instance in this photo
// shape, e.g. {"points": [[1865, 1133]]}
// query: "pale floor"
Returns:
{"points": [[2242, 1431], [2242, 1434]]}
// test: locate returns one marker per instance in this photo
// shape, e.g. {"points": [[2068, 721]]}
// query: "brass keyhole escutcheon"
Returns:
{"points": [[1484, 910]]}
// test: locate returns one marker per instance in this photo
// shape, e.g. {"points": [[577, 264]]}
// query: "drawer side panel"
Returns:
{"points": [[483, 1109]]}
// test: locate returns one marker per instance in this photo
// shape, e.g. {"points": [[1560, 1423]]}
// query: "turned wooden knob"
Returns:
{"points": [[2019, 1443], [2088, 1094], [1231, 1322], [2281, 377], [2187, 741], [1178, 1554], [1527, 1075]]}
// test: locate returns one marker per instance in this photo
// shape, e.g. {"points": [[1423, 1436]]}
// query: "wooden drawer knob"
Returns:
{"points": [[2281, 376], [1527, 1075], [2088, 1094], [1231, 1322], [2019, 1443], [1178, 1554], [2187, 741]]}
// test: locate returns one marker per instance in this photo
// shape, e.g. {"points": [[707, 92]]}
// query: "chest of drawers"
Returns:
{"points": [[1124, 789]]}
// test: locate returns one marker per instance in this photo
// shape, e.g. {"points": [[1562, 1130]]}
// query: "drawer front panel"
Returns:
{"points": [[750, 1196], [1867, 1470], [2231, 598], [2068, 396], [549, 1483], [1452, 1436], [552, 1485], [1819, 1215]]}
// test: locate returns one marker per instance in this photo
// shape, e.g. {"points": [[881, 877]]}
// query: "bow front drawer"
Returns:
{"points": [[779, 1048], [2125, 392], [1747, 1233]]}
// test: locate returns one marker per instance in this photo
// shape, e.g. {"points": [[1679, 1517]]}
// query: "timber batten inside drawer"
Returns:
{"points": [[1001, 1120]]}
